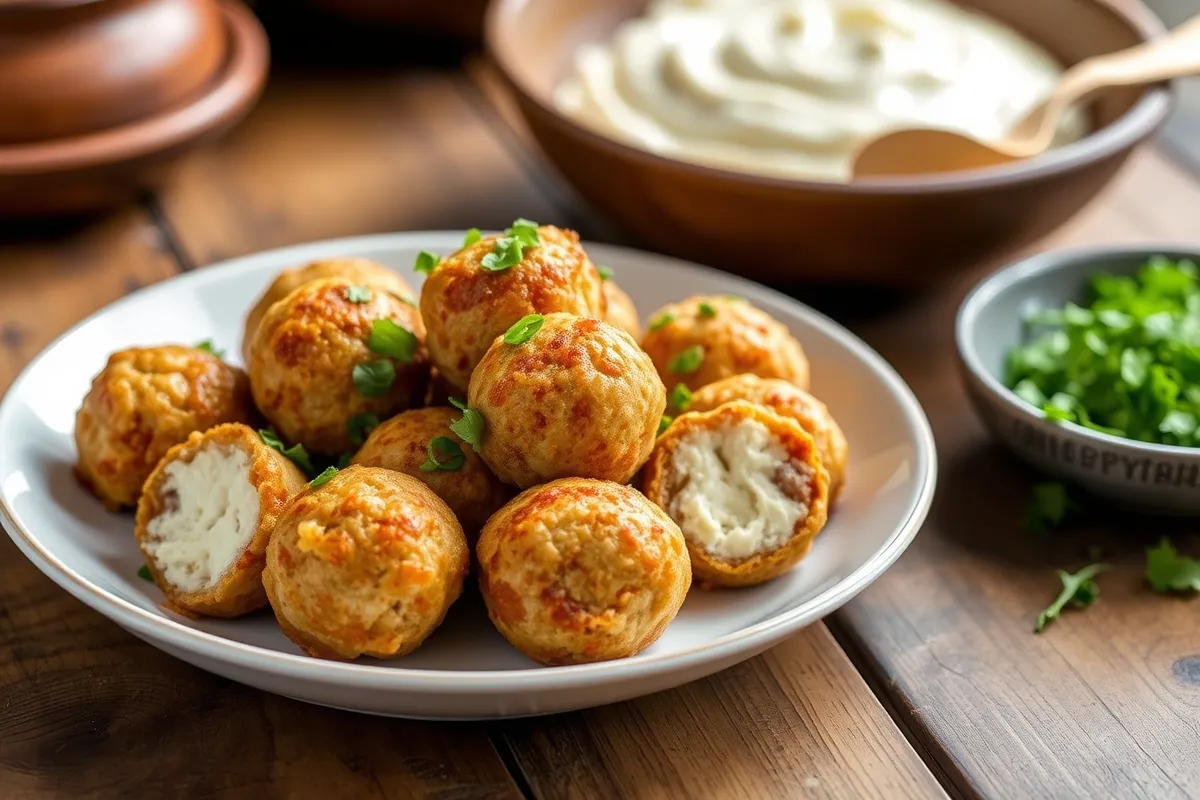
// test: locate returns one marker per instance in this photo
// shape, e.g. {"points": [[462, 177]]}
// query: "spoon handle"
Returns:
{"points": [[1173, 55]]}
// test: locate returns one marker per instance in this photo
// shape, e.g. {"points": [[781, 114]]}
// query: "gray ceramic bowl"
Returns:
{"points": [[1158, 479]]}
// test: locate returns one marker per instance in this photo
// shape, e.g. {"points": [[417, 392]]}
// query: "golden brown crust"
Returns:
{"points": [[303, 356], [276, 479], [366, 564], [581, 570], [738, 338], [621, 310], [578, 399], [401, 443], [361, 271], [465, 307], [709, 569], [791, 401], [145, 401]]}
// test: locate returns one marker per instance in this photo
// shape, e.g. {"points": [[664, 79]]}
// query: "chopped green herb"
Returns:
{"points": [[606, 273], [1048, 507], [389, 339], [358, 294], [687, 360], [662, 321], [443, 454], [144, 573], [525, 231], [297, 453], [506, 253], [359, 427], [1168, 571], [1126, 364], [680, 397], [473, 236], [323, 478], [459, 404], [1078, 589], [374, 378], [707, 310], [208, 347], [427, 262], [523, 329], [664, 423], [469, 427]]}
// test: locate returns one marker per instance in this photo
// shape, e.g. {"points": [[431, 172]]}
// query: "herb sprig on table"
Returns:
{"points": [[1128, 364]]}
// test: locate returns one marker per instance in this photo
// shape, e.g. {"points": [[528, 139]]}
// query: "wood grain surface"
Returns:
{"points": [[327, 156]]}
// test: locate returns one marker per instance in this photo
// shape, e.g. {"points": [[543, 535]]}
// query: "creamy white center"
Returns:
{"points": [[211, 514], [732, 504], [794, 87]]}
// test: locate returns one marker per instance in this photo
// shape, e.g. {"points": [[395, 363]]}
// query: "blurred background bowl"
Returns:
{"points": [[94, 170], [1154, 478], [895, 231]]}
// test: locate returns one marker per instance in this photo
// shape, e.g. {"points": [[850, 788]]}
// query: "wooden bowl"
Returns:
{"points": [[70, 67], [911, 230], [86, 173]]}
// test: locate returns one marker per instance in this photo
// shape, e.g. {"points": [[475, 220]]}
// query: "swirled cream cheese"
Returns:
{"points": [[794, 87]]}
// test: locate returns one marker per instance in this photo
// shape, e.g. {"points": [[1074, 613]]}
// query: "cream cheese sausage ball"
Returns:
{"points": [[367, 563], [206, 516], [360, 271], [578, 398], [787, 400], [466, 303], [145, 401], [581, 570], [331, 352], [705, 339], [745, 486]]}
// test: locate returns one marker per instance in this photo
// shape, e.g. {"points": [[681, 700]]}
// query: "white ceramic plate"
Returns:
{"points": [[465, 670]]}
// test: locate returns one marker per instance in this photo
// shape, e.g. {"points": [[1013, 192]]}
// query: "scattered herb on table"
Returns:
{"points": [[1078, 590], [1048, 506], [1169, 571], [1127, 364], [443, 454], [297, 453]]}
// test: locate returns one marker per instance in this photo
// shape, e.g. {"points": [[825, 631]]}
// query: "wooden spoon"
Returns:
{"points": [[923, 150]]}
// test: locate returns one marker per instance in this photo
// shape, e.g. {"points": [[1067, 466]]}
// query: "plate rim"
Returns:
{"points": [[370, 675]]}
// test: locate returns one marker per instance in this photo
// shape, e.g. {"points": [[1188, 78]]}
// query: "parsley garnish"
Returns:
{"points": [[1168, 571], [323, 478], [707, 310], [1048, 507], [358, 294], [443, 454], [208, 347], [359, 427], [144, 573], [687, 360], [374, 378], [506, 253], [664, 423], [606, 273], [389, 339], [470, 426], [427, 262], [524, 329], [525, 231], [662, 321], [296, 453], [473, 236], [1079, 590], [680, 397]]}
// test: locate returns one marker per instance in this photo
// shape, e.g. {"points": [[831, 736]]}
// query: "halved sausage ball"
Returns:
{"points": [[145, 401], [327, 353], [745, 486], [367, 563], [466, 305], [206, 515], [704, 339], [419, 443], [582, 570], [621, 310], [787, 400], [576, 399], [359, 271]]}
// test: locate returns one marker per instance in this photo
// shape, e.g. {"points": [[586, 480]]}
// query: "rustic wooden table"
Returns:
{"points": [[930, 683]]}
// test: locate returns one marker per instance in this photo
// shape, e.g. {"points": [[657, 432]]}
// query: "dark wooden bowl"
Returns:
{"points": [[894, 231], [70, 67], [86, 173]]}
